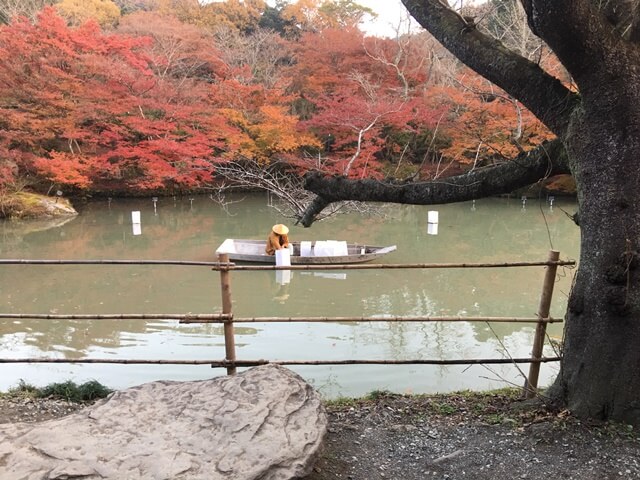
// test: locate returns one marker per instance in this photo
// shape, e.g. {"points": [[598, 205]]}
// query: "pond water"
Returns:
{"points": [[488, 230]]}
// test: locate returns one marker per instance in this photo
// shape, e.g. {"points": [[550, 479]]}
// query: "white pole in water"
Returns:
{"points": [[432, 222], [136, 223]]}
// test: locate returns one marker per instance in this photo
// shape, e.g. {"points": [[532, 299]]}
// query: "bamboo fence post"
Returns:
{"points": [[229, 339], [531, 384]]}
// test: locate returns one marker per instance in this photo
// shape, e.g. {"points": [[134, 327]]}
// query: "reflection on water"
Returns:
{"points": [[491, 230]]}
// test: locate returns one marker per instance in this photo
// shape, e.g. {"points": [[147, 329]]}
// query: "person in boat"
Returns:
{"points": [[277, 239]]}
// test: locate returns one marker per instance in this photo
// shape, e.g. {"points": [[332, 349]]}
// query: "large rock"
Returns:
{"points": [[265, 423]]}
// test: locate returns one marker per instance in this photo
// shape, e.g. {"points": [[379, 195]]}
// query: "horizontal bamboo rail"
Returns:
{"points": [[232, 266], [202, 317], [9, 261], [252, 363], [387, 266], [228, 318], [199, 317], [396, 319]]}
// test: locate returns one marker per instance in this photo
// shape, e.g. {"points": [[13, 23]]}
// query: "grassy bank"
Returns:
{"points": [[494, 407], [69, 391]]}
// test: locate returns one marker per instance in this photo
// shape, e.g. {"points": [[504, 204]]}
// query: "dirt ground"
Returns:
{"points": [[457, 436], [471, 436]]}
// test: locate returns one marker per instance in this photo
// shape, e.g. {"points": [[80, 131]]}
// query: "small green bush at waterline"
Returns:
{"points": [[70, 391]]}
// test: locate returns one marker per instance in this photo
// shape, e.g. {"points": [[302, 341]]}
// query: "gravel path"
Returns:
{"points": [[450, 437]]}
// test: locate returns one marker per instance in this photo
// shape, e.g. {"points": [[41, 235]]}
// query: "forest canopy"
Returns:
{"points": [[136, 96]]}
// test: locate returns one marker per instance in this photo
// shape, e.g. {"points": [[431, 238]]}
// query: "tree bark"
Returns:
{"points": [[599, 375]]}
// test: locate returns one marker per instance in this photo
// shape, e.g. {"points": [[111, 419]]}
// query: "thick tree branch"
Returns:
{"points": [[580, 33], [540, 92], [528, 168], [312, 211]]}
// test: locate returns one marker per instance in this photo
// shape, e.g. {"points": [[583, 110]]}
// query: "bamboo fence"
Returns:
{"points": [[226, 317]]}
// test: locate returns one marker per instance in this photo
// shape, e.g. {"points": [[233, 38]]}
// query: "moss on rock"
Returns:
{"points": [[34, 205]]}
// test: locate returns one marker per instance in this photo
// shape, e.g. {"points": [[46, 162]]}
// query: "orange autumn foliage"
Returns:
{"points": [[179, 87], [484, 124]]}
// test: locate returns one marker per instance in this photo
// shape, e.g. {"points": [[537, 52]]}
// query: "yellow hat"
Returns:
{"points": [[280, 229]]}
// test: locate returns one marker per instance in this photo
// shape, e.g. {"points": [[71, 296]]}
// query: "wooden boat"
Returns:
{"points": [[254, 251]]}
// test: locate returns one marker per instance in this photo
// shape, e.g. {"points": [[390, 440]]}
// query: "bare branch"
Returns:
{"points": [[540, 92], [292, 200], [11, 9], [397, 64], [262, 51]]}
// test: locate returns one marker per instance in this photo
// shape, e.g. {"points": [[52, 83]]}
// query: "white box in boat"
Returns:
{"points": [[330, 248]]}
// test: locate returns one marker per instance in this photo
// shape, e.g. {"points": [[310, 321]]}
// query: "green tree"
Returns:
{"points": [[344, 14], [317, 15], [243, 16], [598, 142], [272, 19]]}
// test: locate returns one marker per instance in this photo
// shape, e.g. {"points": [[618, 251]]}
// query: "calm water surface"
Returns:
{"points": [[491, 230]]}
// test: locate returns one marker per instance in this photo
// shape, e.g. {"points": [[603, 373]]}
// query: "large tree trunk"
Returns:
{"points": [[600, 370]]}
